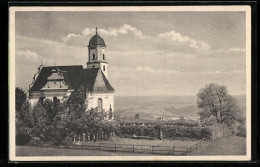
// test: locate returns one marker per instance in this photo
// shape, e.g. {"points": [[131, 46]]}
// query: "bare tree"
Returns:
{"points": [[214, 100]]}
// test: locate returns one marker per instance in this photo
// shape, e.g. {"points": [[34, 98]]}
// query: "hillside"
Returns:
{"points": [[168, 107]]}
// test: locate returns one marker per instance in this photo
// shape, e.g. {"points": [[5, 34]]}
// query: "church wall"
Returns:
{"points": [[36, 95], [106, 98], [33, 101], [106, 69]]}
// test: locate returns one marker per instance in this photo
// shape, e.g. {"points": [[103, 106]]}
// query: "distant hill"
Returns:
{"points": [[168, 107]]}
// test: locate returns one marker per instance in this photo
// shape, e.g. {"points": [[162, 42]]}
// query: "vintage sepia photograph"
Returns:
{"points": [[130, 83]]}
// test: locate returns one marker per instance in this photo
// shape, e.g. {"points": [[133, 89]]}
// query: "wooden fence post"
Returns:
{"points": [[173, 150], [115, 147], [99, 146], [84, 137], [152, 149], [133, 148]]}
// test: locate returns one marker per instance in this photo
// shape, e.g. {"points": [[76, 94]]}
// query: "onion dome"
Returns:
{"points": [[97, 40]]}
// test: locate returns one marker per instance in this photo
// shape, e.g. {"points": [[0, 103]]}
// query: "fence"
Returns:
{"points": [[197, 145], [148, 149]]}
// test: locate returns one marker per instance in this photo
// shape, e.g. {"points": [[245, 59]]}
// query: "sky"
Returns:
{"points": [[149, 53]]}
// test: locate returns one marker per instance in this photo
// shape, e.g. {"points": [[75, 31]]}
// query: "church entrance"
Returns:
{"points": [[100, 104]]}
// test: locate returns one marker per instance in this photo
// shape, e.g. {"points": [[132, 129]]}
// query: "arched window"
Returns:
{"points": [[104, 68], [103, 56], [55, 99], [100, 104], [94, 57], [41, 100]]}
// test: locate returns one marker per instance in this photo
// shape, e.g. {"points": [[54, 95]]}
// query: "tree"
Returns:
{"points": [[137, 116], [213, 100], [24, 124], [20, 98]]}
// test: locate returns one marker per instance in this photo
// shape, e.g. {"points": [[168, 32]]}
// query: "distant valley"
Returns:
{"points": [[168, 107]]}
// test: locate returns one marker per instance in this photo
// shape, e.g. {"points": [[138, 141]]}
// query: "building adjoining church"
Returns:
{"points": [[59, 82]]}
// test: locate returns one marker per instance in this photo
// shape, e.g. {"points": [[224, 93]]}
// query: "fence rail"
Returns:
{"points": [[197, 145], [149, 149]]}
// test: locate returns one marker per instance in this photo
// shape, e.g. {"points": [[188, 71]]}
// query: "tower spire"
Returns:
{"points": [[96, 30]]}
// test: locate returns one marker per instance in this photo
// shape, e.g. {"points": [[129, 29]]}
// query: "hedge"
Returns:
{"points": [[169, 131]]}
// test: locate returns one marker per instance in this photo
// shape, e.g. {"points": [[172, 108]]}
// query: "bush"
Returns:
{"points": [[169, 131], [66, 141], [35, 142], [219, 130], [241, 131]]}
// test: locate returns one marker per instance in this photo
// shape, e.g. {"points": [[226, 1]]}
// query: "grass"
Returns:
{"points": [[164, 142], [41, 151], [231, 145]]}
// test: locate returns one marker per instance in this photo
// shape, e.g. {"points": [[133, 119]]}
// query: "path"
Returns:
{"points": [[231, 145]]}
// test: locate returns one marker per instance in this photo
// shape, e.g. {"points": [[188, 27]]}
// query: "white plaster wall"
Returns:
{"points": [[107, 100], [33, 101], [92, 51], [48, 95], [99, 51], [97, 65], [106, 69]]}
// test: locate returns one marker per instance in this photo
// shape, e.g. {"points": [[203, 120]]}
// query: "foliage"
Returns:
{"points": [[169, 131], [241, 131], [214, 100], [20, 98], [24, 124], [52, 122]]}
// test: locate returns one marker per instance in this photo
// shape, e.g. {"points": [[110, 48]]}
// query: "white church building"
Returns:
{"points": [[60, 81]]}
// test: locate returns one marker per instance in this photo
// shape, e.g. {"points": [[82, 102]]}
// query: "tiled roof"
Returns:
{"points": [[74, 76], [108, 86], [96, 40]]}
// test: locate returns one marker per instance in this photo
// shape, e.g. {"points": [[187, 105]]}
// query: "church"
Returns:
{"points": [[59, 82]]}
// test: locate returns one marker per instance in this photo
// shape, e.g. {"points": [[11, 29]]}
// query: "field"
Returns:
{"points": [[40, 151], [164, 142], [231, 145], [169, 107]]}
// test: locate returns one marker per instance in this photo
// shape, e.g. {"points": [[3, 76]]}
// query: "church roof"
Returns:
{"points": [[74, 76], [96, 40]]}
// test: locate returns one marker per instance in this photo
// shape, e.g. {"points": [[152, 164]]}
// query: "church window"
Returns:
{"points": [[41, 100], [94, 57], [93, 66], [103, 56], [55, 99], [100, 104], [104, 68]]}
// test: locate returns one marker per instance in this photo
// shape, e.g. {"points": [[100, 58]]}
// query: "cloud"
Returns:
{"points": [[232, 50], [149, 70], [177, 37], [27, 54], [225, 72], [112, 31]]}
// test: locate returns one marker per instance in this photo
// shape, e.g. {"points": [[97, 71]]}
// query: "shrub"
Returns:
{"points": [[35, 142], [169, 131], [241, 131], [66, 141]]}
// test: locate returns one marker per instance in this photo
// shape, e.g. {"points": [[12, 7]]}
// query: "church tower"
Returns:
{"points": [[96, 54]]}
